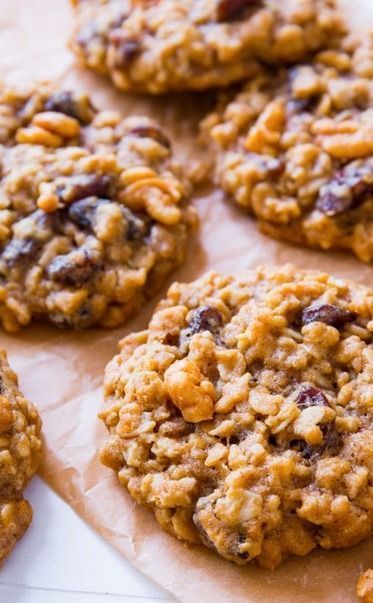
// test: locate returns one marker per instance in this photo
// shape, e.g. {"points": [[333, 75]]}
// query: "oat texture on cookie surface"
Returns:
{"points": [[167, 45], [243, 415], [93, 210], [20, 450], [294, 147]]}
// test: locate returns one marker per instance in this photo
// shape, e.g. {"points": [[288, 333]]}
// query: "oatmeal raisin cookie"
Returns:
{"points": [[243, 416], [20, 449], [93, 211], [161, 45], [295, 148]]}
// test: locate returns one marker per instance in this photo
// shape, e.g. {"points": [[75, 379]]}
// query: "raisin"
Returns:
{"points": [[349, 190], [151, 132], [20, 250], [331, 443], [269, 166], [83, 212], [297, 105], [84, 185], [126, 49], [332, 438], [72, 104], [275, 167], [328, 314], [137, 227], [233, 9], [205, 318], [74, 268], [171, 339], [311, 396]]}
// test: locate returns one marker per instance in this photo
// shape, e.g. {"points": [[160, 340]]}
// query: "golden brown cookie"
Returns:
{"points": [[295, 148], [161, 45], [243, 416], [20, 449], [93, 211]]}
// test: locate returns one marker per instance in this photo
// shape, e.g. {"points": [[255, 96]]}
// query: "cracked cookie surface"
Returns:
{"points": [[93, 211], [162, 45], [294, 147], [243, 416], [20, 449]]}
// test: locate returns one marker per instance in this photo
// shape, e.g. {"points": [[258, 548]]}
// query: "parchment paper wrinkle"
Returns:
{"points": [[62, 371]]}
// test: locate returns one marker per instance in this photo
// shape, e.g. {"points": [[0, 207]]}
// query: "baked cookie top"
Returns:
{"points": [[243, 415], [295, 148], [92, 210], [20, 449], [161, 45], [364, 588]]}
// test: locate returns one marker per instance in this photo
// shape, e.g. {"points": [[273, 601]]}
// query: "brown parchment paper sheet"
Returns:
{"points": [[62, 371]]}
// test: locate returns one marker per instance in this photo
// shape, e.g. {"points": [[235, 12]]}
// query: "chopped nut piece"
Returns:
{"points": [[190, 391], [67, 127]]}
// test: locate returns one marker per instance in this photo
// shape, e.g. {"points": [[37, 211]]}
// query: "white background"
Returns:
{"points": [[62, 559]]}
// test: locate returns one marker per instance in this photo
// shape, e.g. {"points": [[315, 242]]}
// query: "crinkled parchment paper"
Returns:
{"points": [[62, 371]]}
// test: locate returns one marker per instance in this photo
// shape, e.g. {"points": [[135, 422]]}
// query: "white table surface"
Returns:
{"points": [[61, 559]]}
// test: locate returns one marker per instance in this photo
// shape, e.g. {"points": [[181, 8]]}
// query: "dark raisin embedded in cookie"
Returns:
{"points": [[311, 396], [72, 104], [74, 268], [84, 185], [234, 9], [205, 318], [328, 314], [126, 49], [346, 192]]}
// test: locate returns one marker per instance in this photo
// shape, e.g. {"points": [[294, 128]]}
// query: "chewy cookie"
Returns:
{"points": [[364, 587], [92, 211], [20, 449], [295, 148], [160, 45], [243, 416]]}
